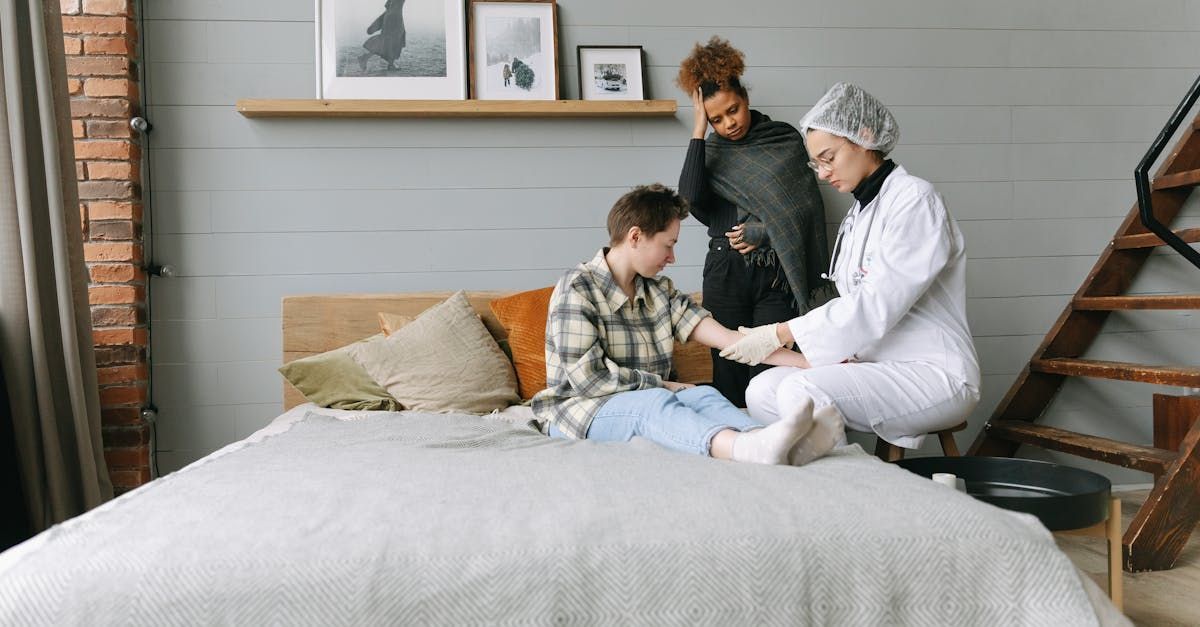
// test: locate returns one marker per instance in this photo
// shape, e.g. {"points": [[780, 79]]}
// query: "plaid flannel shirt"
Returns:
{"points": [[600, 343]]}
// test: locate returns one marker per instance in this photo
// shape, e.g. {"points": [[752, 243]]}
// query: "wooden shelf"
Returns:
{"points": [[261, 108]]}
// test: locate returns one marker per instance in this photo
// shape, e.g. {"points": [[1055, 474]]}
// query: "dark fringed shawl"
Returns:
{"points": [[766, 176]]}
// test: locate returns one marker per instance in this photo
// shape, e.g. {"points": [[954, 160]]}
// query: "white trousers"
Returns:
{"points": [[900, 402]]}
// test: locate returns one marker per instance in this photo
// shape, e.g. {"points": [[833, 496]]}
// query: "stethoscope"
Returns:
{"points": [[857, 275]]}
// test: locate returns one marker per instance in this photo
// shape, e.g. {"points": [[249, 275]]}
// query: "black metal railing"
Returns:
{"points": [[1142, 179]]}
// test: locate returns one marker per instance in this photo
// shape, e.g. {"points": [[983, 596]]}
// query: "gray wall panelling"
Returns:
{"points": [[1028, 115]]}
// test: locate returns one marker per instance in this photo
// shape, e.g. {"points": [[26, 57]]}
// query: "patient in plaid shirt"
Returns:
{"points": [[610, 334]]}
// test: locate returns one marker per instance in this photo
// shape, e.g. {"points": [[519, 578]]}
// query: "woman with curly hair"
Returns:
{"points": [[747, 182]]}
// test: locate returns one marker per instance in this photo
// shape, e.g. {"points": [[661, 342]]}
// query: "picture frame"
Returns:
{"points": [[525, 31], [391, 49], [611, 72]]}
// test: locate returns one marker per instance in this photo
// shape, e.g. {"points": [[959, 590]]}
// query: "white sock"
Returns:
{"points": [[827, 431], [771, 444]]}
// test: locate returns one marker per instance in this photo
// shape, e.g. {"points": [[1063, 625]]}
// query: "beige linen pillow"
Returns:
{"points": [[445, 360], [389, 323]]}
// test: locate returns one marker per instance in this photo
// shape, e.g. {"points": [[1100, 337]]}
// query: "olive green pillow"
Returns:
{"points": [[333, 379]]}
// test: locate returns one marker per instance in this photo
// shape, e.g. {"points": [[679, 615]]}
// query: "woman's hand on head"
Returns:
{"points": [[699, 116], [737, 243]]}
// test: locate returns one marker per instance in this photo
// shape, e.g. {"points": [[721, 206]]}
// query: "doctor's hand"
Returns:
{"points": [[699, 116], [757, 345]]}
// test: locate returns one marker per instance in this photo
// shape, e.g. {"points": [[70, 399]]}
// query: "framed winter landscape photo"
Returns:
{"points": [[611, 73], [391, 49], [514, 46]]}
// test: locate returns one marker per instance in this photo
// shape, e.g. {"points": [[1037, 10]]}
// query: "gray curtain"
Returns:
{"points": [[45, 324]]}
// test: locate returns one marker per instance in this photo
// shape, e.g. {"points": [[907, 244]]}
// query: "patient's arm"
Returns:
{"points": [[713, 334]]}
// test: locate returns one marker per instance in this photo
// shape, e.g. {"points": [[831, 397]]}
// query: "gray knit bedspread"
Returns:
{"points": [[418, 519]]}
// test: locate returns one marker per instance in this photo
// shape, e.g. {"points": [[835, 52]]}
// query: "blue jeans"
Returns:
{"points": [[684, 421]]}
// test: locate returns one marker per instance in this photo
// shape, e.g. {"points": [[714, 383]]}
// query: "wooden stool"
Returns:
{"points": [[1110, 530], [889, 452]]}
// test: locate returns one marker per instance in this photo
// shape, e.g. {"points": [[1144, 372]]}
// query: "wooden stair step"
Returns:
{"points": [[1160, 529], [1189, 178], [1144, 458], [1184, 376], [1150, 240], [1147, 301]]}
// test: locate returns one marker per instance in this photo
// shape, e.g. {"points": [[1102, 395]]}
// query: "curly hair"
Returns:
{"points": [[712, 67]]}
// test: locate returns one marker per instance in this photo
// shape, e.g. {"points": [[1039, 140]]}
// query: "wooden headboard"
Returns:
{"points": [[322, 322]]}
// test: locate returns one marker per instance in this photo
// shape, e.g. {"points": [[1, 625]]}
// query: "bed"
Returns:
{"points": [[371, 517]]}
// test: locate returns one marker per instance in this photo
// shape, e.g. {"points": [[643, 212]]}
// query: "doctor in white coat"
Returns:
{"points": [[892, 354]]}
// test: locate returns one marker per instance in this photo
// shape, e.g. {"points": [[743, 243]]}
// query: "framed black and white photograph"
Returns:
{"points": [[514, 45], [611, 73], [391, 49]]}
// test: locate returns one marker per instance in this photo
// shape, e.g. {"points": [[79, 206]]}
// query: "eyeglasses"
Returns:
{"points": [[818, 164]]}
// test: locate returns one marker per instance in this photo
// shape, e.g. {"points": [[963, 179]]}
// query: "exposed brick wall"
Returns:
{"points": [[100, 37]]}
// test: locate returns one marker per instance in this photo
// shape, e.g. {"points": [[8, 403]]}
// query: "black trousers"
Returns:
{"points": [[740, 294]]}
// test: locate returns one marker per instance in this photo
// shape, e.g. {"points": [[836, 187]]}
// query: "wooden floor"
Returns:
{"points": [[1170, 597]]}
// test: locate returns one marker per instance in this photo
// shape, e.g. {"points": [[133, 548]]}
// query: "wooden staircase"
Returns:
{"points": [[1161, 527]]}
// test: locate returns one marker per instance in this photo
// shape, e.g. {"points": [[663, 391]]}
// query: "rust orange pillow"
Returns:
{"points": [[523, 316]]}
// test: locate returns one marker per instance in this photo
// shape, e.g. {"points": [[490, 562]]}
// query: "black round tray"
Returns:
{"points": [[1060, 496]]}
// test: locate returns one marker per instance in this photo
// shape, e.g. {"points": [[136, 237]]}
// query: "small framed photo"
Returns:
{"points": [[391, 49], [611, 73], [514, 49]]}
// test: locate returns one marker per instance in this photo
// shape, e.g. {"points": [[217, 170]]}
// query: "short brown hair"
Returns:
{"points": [[651, 208]]}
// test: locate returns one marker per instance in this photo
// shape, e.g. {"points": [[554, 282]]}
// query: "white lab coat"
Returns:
{"points": [[907, 301], [900, 321]]}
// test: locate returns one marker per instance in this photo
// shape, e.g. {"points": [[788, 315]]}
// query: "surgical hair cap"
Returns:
{"points": [[848, 111]]}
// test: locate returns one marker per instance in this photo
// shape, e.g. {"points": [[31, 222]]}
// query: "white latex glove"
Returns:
{"points": [[758, 344]]}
